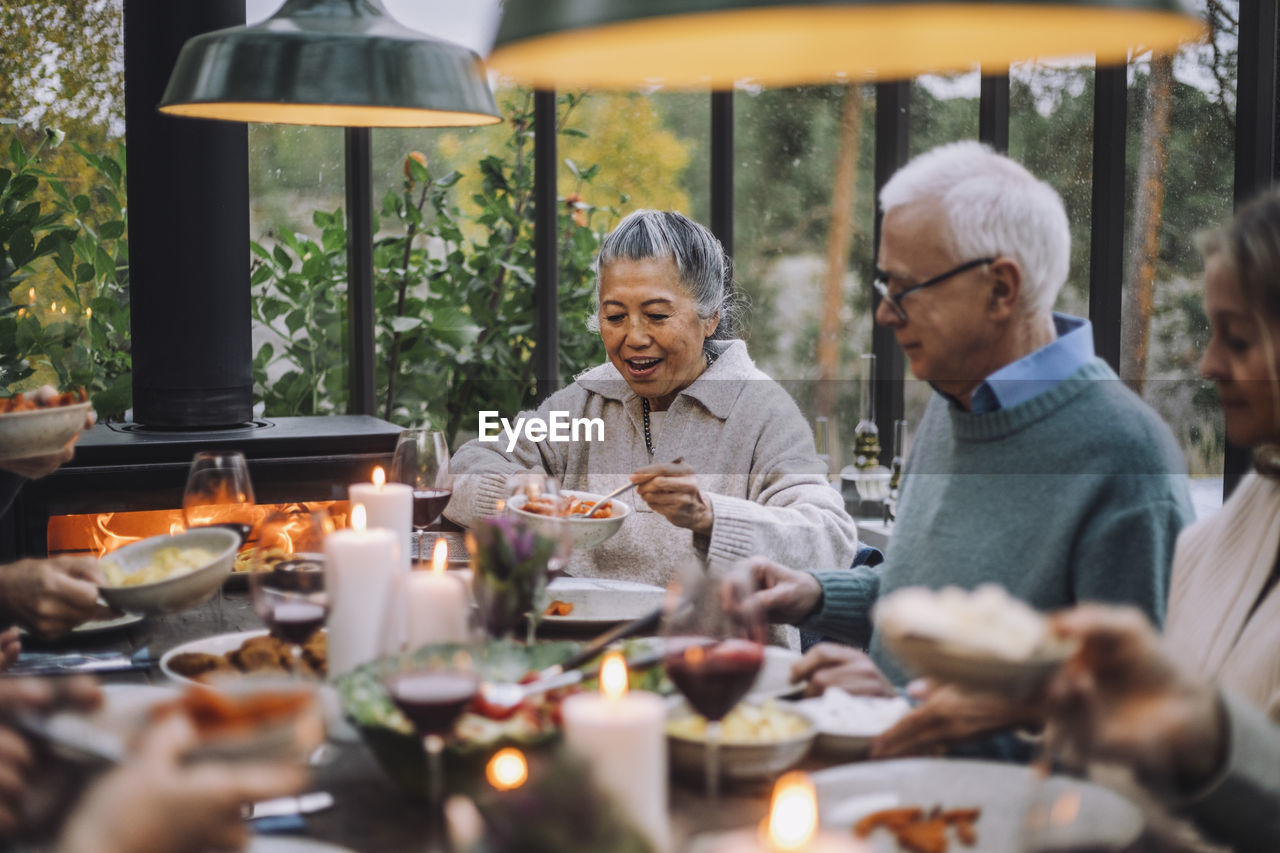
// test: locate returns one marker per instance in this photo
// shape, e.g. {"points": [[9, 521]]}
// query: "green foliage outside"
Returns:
{"points": [[70, 250], [453, 294]]}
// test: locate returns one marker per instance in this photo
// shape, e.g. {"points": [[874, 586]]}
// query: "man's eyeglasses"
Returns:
{"points": [[881, 284]]}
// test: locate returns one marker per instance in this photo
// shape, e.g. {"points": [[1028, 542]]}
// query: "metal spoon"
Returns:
{"points": [[624, 488]]}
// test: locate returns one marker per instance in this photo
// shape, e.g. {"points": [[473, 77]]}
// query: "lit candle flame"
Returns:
{"points": [[379, 477], [88, 312], [793, 813], [613, 676], [507, 770], [440, 556], [357, 517]]}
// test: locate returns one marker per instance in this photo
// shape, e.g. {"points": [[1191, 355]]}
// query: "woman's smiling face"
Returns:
{"points": [[651, 329]]}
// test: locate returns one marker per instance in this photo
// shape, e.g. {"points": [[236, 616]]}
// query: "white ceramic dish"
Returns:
{"points": [[102, 626], [113, 725], [775, 674], [173, 594], [600, 602], [587, 533], [974, 668], [1099, 819], [848, 724], [292, 844], [738, 761], [38, 432], [218, 644]]}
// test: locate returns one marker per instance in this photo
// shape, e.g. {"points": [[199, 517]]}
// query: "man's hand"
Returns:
{"points": [[38, 695], [781, 594], [51, 596], [1122, 697], [833, 665], [157, 803], [35, 467], [949, 715], [671, 490]]}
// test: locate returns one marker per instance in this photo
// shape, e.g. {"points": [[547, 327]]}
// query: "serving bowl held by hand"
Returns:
{"points": [[38, 432], [179, 591], [587, 533]]}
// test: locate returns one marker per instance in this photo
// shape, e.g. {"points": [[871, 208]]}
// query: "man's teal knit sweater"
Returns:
{"points": [[1075, 495]]}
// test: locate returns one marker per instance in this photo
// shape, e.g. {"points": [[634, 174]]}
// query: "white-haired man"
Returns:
{"points": [[1033, 467]]}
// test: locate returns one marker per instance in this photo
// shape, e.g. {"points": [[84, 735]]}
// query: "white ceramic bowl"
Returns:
{"points": [[178, 593], [739, 761], [587, 533], [38, 432]]}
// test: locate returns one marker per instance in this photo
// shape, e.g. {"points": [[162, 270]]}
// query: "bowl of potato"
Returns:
{"points": [[167, 574]]}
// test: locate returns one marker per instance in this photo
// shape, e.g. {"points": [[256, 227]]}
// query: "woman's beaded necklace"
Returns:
{"points": [[645, 409]]}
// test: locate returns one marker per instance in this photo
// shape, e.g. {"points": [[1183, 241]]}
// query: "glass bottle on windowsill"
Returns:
{"points": [[866, 435], [895, 470]]}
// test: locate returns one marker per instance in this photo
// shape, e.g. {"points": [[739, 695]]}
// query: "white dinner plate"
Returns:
{"points": [[1081, 814], [600, 602], [292, 844], [123, 712], [101, 626], [218, 644]]}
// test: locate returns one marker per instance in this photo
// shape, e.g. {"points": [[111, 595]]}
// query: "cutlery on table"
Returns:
{"points": [[626, 487]]}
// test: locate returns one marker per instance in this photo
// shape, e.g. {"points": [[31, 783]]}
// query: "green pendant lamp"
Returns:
{"points": [[627, 44], [343, 63]]}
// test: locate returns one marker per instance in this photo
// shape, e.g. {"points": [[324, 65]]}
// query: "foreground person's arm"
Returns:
{"points": [[482, 471], [1214, 758], [157, 804]]}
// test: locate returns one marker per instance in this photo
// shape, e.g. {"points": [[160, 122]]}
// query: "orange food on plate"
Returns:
{"points": [[29, 403], [558, 608], [565, 507], [214, 713], [922, 831]]}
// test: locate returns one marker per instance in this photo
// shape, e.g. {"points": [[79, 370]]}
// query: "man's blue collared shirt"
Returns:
{"points": [[1038, 372]]}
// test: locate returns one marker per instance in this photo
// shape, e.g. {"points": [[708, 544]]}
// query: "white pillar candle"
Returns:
{"points": [[437, 603], [359, 566], [621, 736], [389, 506]]}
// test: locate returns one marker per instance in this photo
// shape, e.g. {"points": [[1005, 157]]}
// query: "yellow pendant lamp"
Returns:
{"points": [[627, 44]]}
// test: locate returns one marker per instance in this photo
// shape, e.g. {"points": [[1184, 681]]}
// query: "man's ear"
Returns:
{"points": [[1006, 287]]}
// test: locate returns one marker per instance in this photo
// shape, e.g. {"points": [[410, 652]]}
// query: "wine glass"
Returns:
{"points": [[290, 597], [422, 461], [713, 650], [540, 488], [219, 494], [432, 687]]}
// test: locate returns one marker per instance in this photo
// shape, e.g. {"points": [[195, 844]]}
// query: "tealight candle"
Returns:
{"points": [[359, 566], [437, 602], [791, 827], [621, 737], [389, 506]]}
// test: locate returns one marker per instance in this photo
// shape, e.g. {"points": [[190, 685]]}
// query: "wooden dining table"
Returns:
{"points": [[370, 812]]}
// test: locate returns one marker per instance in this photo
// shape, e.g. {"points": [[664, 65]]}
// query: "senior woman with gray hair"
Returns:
{"points": [[677, 385]]}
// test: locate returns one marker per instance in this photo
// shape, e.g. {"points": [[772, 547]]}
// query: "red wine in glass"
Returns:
{"points": [[428, 504], [715, 676], [432, 701], [295, 621]]}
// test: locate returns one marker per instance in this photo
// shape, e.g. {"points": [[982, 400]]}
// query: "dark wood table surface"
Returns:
{"points": [[371, 813]]}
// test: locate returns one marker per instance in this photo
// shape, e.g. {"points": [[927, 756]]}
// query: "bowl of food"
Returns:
{"points": [[847, 724], [254, 718], [480, 731], [167, 574], [982, 639], [31, 427], [756, 741], [586, 532]]}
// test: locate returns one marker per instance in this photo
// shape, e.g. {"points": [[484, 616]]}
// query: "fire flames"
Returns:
{"points": [[101, 533]]}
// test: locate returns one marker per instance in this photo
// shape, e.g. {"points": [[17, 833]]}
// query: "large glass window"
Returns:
{"points": [[803, 221], [1180, 169]]}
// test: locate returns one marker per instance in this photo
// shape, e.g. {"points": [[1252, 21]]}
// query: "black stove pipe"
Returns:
{"points": [[188, 232]]}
